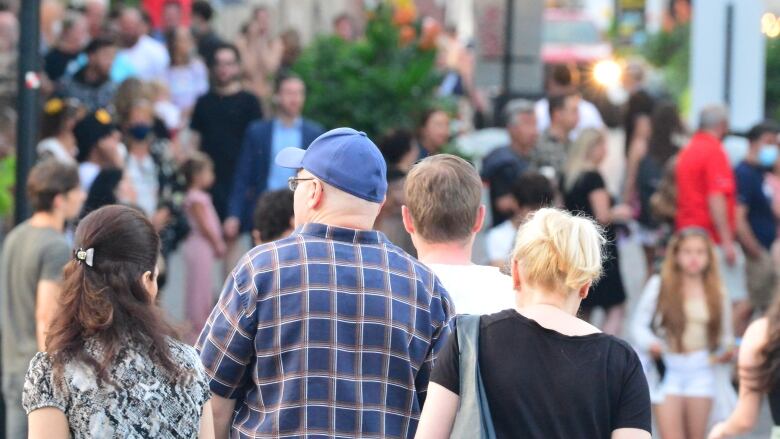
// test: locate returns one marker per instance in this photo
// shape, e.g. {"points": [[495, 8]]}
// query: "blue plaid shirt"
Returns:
{"points": [[330, 332]]}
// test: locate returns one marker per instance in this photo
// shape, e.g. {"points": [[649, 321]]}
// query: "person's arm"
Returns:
{"points": [[198, 211], [641, 330], [47, 296], [206, 430], [719, 213], [604, 214], [243, 180], [636, 152], [223, 415], [630, 433], [47, 423], [747, 239], [438, 415], [745, 414]]}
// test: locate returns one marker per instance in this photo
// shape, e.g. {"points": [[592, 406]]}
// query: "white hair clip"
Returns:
{"points": [[87, 256]]}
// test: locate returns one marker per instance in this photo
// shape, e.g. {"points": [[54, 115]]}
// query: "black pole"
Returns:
{"points": [[29, 83], [508, 55]]}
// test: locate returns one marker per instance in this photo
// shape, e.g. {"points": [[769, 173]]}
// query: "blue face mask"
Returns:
{"points": [[767, 155], [139, 131]]}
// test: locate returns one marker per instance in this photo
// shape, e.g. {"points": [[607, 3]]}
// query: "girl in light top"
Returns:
{"points": [[683, 318], [551, 375]]}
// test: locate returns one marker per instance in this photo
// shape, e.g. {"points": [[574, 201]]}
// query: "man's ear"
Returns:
{"points": [[407, 220], [316, 195], [516, 280], [480, 220], [584, 290]]}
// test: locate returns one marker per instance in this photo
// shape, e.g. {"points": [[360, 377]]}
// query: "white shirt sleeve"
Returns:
{"points": [[644, 314]]}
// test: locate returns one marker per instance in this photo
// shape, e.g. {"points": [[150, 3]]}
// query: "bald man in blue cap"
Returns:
{"points": [[333, 330]]}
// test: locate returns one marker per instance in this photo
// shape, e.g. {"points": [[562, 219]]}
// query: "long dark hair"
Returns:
{"points": [[107, 302], [767, 372], [666, 122]]}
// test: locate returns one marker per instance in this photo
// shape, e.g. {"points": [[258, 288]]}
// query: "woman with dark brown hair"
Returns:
{"points": [[759, 373], [113, 366]]}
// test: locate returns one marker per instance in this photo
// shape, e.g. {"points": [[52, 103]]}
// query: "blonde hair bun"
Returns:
{"points": [[556, 250]]}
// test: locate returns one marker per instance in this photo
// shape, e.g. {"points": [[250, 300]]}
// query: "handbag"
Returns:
{"points": [[472, 420]]}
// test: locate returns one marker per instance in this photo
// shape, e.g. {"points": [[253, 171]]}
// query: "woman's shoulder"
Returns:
{"points": [[183, 353]]}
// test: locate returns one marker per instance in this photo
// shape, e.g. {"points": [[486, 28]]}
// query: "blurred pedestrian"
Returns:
{"points": [[640, 103], [664, 143], [205, 36], [530, 192], [291, 50], [540, 361], [141, 167], [585, 193], [756, 223], [221, 118], [564, 80], [111, 186], [443, 214], [683, 320], [255, 173], [554, 144], [9, 39], [503, 165], [274, 216], [759, 375], [92, 84], [31, 263], [112, 366], [333, 289], [261, 53], [96, 13], [99, 146], [344, 27], [147, 56], [187, 78], [57, 139], [433, 132], [400, 153], [203, 245], [707, 198], [72, 40]]}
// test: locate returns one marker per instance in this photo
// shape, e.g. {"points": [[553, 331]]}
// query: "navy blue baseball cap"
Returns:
{"points": [[344, 158]]}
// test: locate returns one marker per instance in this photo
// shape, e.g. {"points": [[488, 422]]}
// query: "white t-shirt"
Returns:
{"points": [[500, 240], [88, 172], [590, 117], [476, 289], [149, 58]]}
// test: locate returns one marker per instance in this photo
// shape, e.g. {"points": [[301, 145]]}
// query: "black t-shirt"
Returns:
{"points": [[546, 385], [56, 61], [221, 122]]}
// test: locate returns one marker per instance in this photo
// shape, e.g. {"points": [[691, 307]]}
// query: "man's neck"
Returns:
{"points": [[286, 119], [521, 149], [558, 133], [443, 253], [228, 89], [47, 220]]}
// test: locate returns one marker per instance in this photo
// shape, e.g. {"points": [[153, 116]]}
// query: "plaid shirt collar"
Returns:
{"points": [[343, 234]]}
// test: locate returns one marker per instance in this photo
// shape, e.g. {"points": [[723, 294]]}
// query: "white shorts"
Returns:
{"points": [[734, 279], [690, 375]]}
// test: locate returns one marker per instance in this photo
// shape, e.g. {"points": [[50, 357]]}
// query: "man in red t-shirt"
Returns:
{"points": [[707, 198]]}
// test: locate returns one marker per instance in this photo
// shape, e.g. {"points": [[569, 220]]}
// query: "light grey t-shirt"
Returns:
{"points": [[30, 254]]}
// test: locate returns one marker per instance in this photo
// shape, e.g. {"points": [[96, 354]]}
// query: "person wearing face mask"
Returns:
{"points": [[756, 225], [141, 167]]}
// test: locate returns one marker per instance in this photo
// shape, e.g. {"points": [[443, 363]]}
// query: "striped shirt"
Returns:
{"points": [[331, 331]]}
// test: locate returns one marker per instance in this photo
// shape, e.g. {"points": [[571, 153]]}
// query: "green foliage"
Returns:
{"points": [[7, 179], [772, 88], [670, 51], [374, 84]]}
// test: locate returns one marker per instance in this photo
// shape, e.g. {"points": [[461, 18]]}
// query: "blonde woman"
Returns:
{"points": [[585, 193], [552, 375]]}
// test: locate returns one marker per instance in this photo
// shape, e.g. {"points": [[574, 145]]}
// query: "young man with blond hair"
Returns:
{"points": [[443, 214]]}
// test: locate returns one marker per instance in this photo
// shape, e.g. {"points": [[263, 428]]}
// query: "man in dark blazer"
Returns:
{"points": [[256, 171]]}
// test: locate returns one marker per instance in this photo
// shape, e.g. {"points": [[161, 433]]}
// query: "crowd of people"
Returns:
{"points": [[350, 265]]}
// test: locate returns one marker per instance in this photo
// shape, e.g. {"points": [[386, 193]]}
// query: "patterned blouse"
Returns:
{"points": [[143, 403]]}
